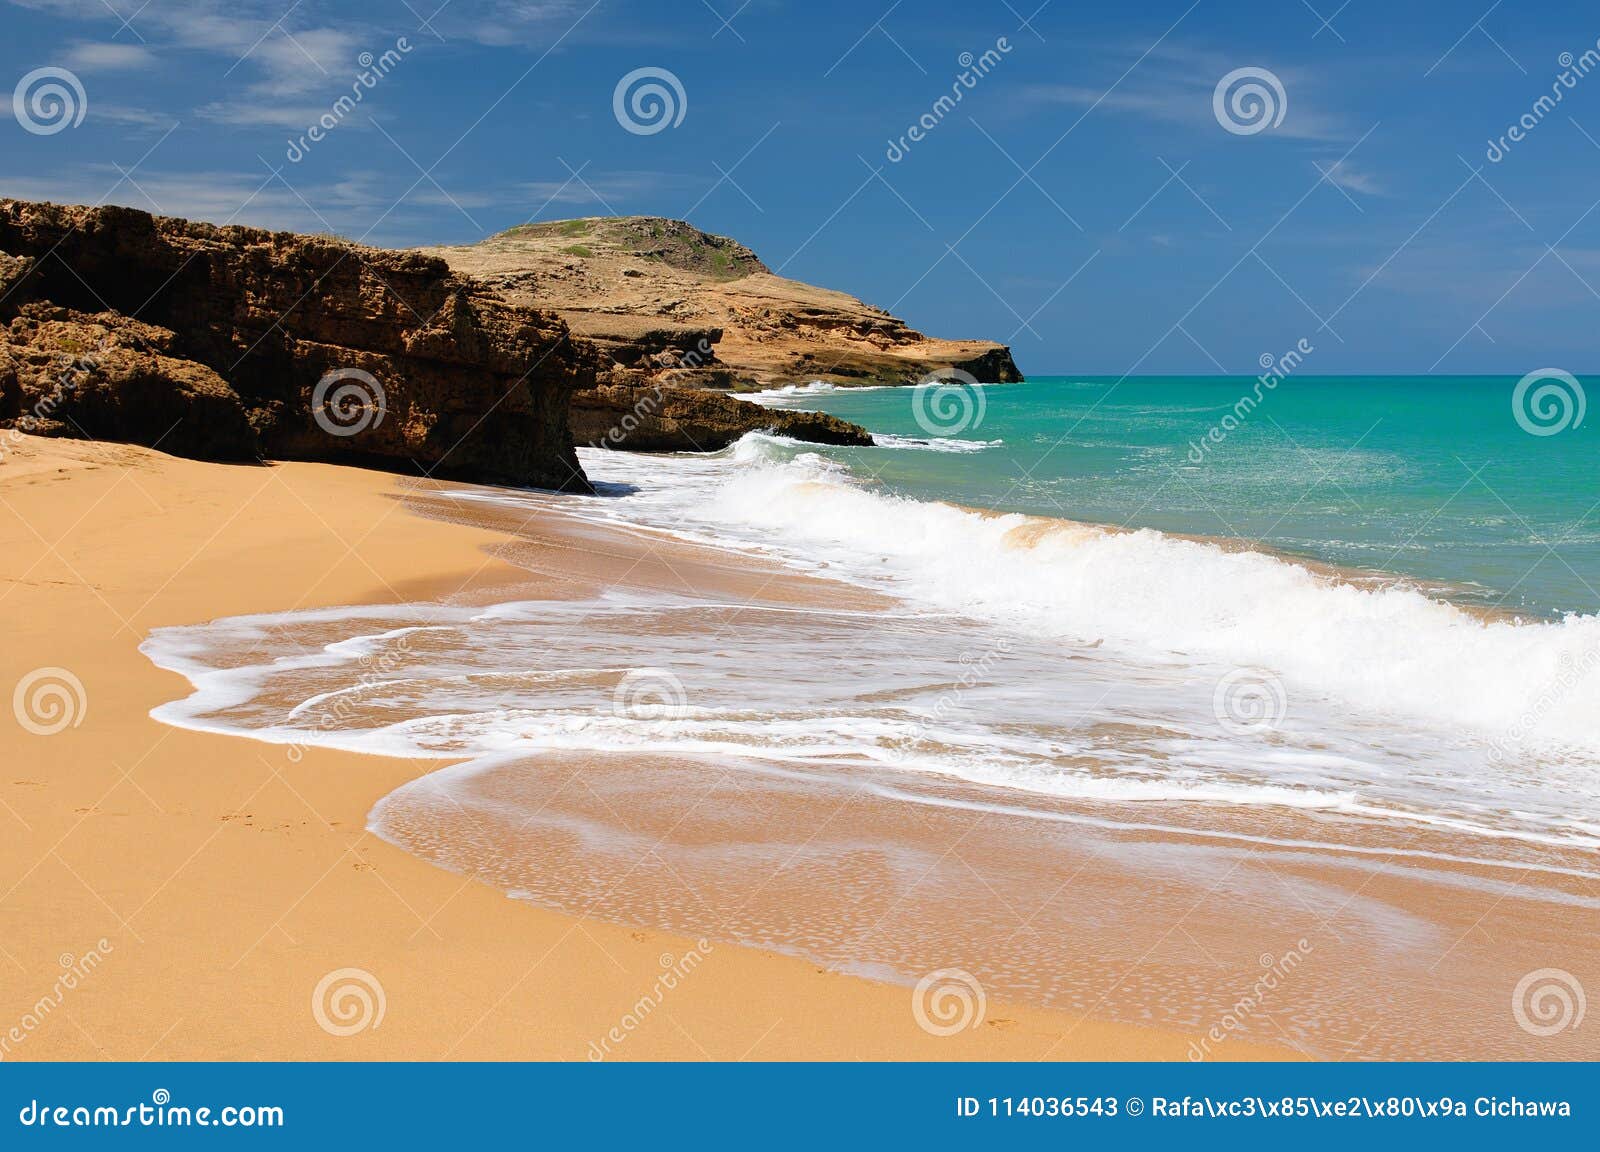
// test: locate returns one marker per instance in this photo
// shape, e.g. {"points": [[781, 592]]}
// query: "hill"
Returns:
{"points": [[661, 297]]}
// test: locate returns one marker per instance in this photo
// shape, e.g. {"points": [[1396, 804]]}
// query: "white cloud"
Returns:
{"points": [[269, 114], [505, 23], [256, 198], [100, 57], [269, 53], [296, 62], [361, 206], [1175, 85], [217, 197], [1342, 173], [596, 188], [134, 117]]}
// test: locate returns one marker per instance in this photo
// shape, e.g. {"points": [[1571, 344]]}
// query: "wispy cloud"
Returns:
{"points": [[102, 57], [1175, 86], [273, 52], [502, 23], [350, 206], [1353, 179], [216, 197], [595, 188], [133, 117], [267, 114]]}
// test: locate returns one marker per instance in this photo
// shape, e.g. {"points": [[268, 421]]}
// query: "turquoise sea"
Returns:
{"points": [[1221, 650], [1431, 477], [989, 718]]}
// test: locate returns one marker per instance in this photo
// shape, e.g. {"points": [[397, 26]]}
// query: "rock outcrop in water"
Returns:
{"points": [[232, 343], [644, 417]]}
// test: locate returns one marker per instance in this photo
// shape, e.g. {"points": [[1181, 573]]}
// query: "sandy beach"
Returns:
{"points": [[214, 882], [584, 533]]}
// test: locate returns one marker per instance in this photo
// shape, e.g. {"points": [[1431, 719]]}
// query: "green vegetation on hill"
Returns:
{"points": [[671, 242]]}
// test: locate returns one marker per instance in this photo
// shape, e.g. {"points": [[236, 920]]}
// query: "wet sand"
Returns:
{"points": [[1335, 936], [217, 884]]}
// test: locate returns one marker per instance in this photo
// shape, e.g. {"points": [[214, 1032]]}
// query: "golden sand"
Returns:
{"points": [[214, 886]]}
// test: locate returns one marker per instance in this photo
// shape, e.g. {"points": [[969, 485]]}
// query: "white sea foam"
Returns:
{"points": [[896, 692], [1387, 651], [1037, 656], [789, 393], [931, 443], [799, 393]]}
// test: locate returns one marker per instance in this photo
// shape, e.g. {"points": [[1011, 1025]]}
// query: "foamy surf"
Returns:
{"points": [[1388, 650], [931, 443], [890, 693], [1031, 656], [789, 392]]}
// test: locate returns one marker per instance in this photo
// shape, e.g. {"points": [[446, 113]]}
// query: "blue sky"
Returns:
{"points": [[1083, 201]]}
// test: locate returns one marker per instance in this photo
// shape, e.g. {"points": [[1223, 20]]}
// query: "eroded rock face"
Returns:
{"points": [[647, 417], [201, 327], [106, 377]]}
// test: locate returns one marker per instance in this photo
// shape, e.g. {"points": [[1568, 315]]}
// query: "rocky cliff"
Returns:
{"points": [[690, 308], [482, 363], [233, 343]]}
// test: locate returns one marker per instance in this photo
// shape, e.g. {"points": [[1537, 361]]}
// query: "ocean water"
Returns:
{"points": [[1355, 629], [1049, 655], [1434, 477]]}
